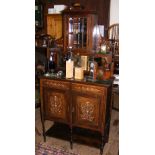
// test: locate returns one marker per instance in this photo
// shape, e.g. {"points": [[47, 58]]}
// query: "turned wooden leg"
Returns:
{"points": [[41, 115], [71, 140], [44, 134], [106, 138], [102, 144]]}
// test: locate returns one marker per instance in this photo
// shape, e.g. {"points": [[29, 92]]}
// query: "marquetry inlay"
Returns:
{"points": [[87, 111], [56, 84], [56, 104], [87, 89]]}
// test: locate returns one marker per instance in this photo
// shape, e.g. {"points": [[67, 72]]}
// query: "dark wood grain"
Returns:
{"points": [[78, 105], [102, 7]]}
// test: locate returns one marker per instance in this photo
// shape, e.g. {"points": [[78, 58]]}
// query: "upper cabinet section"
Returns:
{"points": [[78, 26], [54, 25]]}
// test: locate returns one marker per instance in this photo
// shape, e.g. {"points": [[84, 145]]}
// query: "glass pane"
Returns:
{"points": [[77, 37], [70, 25], [70, 40]]}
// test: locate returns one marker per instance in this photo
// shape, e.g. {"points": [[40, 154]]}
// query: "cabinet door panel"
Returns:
{"points": [[56, 104], [86, 111], [78, 31], [54, 25]]}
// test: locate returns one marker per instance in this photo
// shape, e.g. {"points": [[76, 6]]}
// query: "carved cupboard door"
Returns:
{"points": [[56, 105], [86, 111], [88, 106]]}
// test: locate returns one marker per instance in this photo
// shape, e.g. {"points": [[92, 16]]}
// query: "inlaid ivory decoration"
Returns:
{"points": [[87, 111], [56, 103]]}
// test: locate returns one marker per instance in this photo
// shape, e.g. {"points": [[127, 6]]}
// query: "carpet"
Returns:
{"points": [[44, 149]]}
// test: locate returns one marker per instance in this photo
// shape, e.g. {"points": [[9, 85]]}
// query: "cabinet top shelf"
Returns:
{"points": [[86, 80], [54, 14], [78, 11]]}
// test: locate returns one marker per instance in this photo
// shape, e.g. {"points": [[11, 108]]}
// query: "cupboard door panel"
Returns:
{"points": [[86, 111], [56, 105]]}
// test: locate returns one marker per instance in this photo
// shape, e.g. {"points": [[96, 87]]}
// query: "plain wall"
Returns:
{"points": [[114, 12]]}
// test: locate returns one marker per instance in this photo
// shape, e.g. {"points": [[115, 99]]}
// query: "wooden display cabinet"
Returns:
{"points": [[79, 105], [78, 27]]}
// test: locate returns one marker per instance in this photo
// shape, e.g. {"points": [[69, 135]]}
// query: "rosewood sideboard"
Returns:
{"points": [[79, 105]]}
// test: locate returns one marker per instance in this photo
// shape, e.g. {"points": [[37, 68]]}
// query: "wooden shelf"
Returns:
{"points": [[82, 136], [41, 47]]}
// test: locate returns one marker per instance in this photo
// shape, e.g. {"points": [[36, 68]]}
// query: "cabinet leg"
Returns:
{"points": [[113, 107], [102, 144], [41, 115], [101, 151], [44, 134], [71, 140], [107, 131]]}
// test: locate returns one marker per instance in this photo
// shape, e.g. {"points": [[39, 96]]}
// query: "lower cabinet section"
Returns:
{"points": [[86, 112], [57, 105], [77, 105]]}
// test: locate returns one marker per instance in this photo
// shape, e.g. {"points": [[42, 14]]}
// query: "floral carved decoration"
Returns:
{"points": [[56, 104], [87, 111]]}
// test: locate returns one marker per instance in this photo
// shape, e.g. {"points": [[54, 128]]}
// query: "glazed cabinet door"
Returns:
{"points": [[78, 30], [87, 108], [56, 105]]}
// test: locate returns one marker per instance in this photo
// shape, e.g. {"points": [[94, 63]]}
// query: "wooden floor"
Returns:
{"points": [[111, 148]]}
